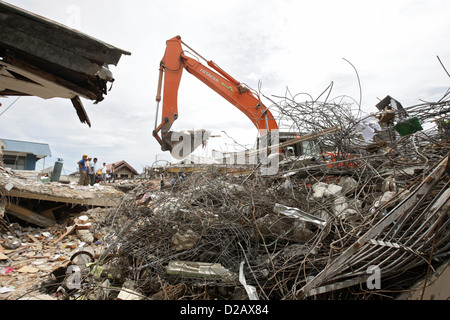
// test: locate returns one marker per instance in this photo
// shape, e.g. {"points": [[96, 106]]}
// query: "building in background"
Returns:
{"points": [[23, 155], [122, 170]]}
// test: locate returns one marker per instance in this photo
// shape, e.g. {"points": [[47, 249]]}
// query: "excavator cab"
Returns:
{"points": [[302, 148], [306, 148]]}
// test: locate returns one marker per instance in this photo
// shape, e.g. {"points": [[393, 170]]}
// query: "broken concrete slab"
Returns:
{"points": [[82, 196], [272, 227], [348, 185], [36, 202], [18, 187], [36, 62], [184, 240], [436, 286]]}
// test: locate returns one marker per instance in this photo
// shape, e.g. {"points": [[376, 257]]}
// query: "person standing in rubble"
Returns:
{"points": [[113, 174], [92, 171], [88, 169], [173, 182], [104, 171], [161, 177], [83, 171], [2, 146]]}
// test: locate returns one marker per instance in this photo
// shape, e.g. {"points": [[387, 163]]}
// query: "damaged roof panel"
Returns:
{"points": [[54, 42], [40, 57]]}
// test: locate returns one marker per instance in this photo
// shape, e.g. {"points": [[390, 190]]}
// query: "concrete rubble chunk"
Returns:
{"points": [[128, 291], [348, 184], [389, 185], [184, 240], [23, 188], [319, 190], [85, 236], [388, 198], [333, 190], [322, 190], [283, 227]]}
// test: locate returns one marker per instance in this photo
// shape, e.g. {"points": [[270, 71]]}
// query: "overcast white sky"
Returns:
{"points": [[295, 44]]}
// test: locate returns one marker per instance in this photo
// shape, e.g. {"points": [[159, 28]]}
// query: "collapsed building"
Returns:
{"points": [[367, 217], [334, 231], [370, 226]]}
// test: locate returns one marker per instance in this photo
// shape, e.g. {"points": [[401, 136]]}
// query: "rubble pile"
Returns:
{"points": [[323, 235], [42, 225], [376, 210], [29, 256], [284, 238]]}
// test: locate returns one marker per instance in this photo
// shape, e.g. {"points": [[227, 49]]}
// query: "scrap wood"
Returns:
{"points": [[28, 215], [49, 213], [28, 269], [69, 231], [36, 241]]}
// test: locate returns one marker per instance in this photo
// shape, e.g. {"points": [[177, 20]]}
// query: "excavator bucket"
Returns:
{"points": [[183, 143]]}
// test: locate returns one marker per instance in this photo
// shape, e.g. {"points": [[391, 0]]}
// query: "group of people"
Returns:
{"points": [[175, 182], [90, 174]]}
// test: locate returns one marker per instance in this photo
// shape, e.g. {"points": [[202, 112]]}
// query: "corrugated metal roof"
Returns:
{"points": [[121, 164], [38, 149]]}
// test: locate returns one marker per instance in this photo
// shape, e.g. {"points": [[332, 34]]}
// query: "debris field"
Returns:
{"points": [[365, 218]]}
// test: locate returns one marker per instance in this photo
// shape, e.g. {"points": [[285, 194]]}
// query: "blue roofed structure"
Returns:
{"points": [[23, 155]]}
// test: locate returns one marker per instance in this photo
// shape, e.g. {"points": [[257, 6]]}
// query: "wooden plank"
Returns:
{"points": [[28, 269], [36, 241], [29, 216], [69, 231], [49, 212]]}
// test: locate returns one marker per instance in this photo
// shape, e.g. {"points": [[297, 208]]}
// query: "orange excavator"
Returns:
{"points": [[238, 94]]}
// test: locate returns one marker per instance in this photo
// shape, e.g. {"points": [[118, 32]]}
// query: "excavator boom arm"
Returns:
{"points": [[171, 69]]}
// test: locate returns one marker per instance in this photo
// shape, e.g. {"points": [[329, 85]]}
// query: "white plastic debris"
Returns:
{"points": [[251, 290], [9, 186], [368, 127]]}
